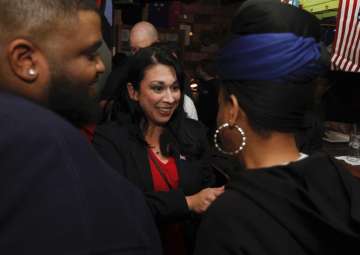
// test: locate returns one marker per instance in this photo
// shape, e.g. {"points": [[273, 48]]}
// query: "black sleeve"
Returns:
{"points": [[165, 206], [197, 135], [108, 150]]}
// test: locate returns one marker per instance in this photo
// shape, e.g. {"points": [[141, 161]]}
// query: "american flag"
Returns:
{"points": [[346, 46], [291, 2], [106, 6]]}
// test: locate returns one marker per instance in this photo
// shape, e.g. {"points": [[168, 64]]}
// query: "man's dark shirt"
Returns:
{"points": [[57, 196]]}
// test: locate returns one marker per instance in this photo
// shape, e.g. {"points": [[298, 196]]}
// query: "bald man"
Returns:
{"points": [[142, 35]]}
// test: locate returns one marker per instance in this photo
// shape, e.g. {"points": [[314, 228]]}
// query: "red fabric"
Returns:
{"points": [[170, 171], [172, 235], [89, 131], [346, 46]]}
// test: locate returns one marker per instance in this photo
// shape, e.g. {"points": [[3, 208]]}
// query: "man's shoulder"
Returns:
{"points": [[28, 115], [29, 129], [49, 169], [36, 129]]}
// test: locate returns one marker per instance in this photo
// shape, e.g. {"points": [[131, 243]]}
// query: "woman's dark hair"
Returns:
{"points": [[175, 135], [172, 47], [272, 106]]}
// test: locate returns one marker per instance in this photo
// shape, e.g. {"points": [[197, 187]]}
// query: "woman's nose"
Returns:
{"points": [[169, 96]]}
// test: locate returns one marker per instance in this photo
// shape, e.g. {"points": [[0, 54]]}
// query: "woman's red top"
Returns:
{"points": [[172, 235]]}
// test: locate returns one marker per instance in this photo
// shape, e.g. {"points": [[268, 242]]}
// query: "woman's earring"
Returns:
{"points": [[242, 145]]}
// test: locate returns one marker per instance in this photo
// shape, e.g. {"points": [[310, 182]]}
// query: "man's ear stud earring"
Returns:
{"points": [[32, 72]]}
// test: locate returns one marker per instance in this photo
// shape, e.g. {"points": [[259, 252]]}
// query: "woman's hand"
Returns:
{"points": [[200, 202]]}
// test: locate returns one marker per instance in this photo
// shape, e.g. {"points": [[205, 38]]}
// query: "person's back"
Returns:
{"points": [[306, 207], [284, 201], [57, 196]]}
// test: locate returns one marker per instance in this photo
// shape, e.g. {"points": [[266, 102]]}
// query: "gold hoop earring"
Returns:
{"points": [[242, 145]]}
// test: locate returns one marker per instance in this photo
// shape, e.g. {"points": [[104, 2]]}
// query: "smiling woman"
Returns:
{"points": [[160, 150], [159, 94]]}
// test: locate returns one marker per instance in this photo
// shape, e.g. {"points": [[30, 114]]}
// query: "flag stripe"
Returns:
{"points": [[339, 33], [352, 46], [357, 48], [346, 46], [109, 11], [355, 44], [354, 54], [351, 26], [343, 32]]}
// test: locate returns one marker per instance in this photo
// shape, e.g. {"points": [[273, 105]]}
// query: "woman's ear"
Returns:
{"points": [[236, 112], [133, 94]]}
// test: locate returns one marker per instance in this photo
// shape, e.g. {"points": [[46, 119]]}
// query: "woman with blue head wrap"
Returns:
{"points": [[285, 202]]}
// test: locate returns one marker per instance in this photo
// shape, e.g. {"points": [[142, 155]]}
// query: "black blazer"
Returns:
{"points": [[128, 155]]}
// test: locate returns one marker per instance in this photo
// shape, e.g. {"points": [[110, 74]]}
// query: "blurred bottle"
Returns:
{"points": [[354, 144]]}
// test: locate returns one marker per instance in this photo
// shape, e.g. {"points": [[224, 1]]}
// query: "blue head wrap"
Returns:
{"points": [[270, 61], [270, 56]]}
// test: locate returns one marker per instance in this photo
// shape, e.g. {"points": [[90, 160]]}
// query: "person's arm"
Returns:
{"points": [[106, 147], [199, 202], [198, 133], [173, 205], [168, 206], [165, 206]]}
